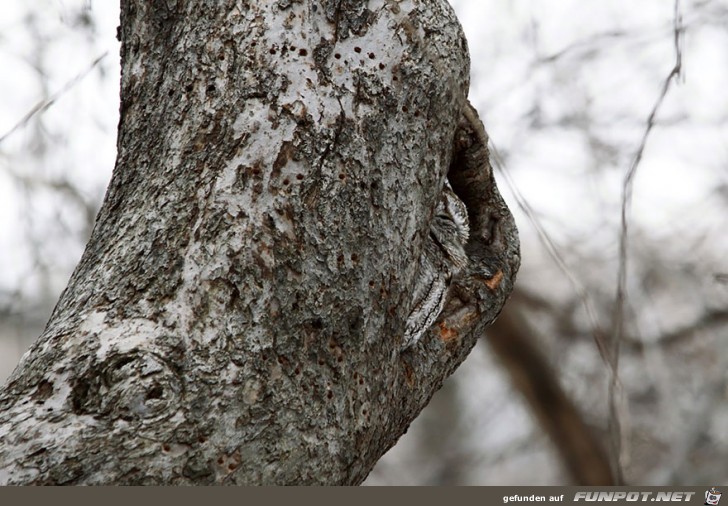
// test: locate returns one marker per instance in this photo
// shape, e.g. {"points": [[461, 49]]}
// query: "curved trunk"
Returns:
{"points": [[237, 316]]}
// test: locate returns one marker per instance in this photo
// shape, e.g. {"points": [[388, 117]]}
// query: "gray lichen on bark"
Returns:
{"points": [[237, 315]]}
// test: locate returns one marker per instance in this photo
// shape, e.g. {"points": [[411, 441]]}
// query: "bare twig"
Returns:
{"points": [[618, 333], [591, 41], [48, 102]]}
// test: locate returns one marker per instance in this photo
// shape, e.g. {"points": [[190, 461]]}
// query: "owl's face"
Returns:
{"points": [[450, 228]]}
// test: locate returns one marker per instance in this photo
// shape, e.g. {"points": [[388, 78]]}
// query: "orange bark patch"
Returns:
{"points": [[446, 333], [409, 375], [494, 282]]}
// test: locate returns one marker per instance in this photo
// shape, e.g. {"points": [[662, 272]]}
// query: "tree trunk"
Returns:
{"points": [[237, 316]]}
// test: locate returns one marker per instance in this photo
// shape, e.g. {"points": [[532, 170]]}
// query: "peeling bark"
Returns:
{"points": [[238, 313]]}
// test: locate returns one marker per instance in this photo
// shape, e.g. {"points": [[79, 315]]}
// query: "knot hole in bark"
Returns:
{"points": [[131, 386], [480, 291], [471, 177]]}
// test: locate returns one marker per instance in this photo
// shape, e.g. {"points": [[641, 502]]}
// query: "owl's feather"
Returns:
{"points": [[443, 257]]}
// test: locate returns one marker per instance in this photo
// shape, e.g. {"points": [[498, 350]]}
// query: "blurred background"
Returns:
{"points": [[575, 96]]}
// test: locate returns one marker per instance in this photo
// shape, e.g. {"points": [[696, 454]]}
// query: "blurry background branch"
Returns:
{"points": [[48, 102], [582, 453], [615, 390]]}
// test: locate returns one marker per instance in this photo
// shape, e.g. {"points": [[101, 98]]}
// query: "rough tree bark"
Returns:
{"points": [[238, 313]]}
